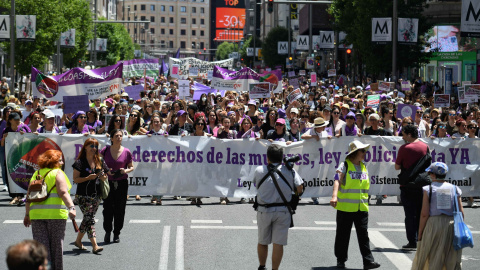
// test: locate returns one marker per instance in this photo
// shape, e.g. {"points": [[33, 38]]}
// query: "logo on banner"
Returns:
{"points": [[282, 47], [46, 85], [249, 51], [326, 39], [381, 29], [470, 27], [302, 43]]}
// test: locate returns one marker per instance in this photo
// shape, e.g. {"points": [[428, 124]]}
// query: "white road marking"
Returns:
{"points": [[164, 249], [325, 222], [206, 221], [391, 224], [179, 256], [254, 221], [400, 260], [13, 221], [145, 221]]}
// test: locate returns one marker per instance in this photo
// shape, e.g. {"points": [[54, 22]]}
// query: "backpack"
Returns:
{"points": [[37, 189]]}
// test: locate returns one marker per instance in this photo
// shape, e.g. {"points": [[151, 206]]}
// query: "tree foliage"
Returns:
{"points": [[355, 18], [119, 44], [248, 60], [270, 45], [224, 49], [52, 18]]}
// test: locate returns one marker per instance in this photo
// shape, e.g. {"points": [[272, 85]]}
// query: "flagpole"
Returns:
{"points": [[12, 44]]}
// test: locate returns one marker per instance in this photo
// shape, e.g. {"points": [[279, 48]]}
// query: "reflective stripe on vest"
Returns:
{"points": [[53, 207], [353, 196]]}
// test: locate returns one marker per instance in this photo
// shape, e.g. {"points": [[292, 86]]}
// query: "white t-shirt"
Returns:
{"points": [[312, 132]]}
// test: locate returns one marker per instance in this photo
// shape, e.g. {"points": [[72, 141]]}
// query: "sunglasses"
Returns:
{"points": [[200, 124], [133, 115], [272, 114], [451, 114], [336, 113], [419, 112], [473, 127], [350, 117], [304, 116], [94, 146], [117, 121], [279, 125], [442, 127], [82, 117]]}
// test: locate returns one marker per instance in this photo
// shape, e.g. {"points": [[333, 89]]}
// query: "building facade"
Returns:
{"points": [[175, 24]]}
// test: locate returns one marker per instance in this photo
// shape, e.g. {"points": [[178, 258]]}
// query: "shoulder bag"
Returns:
{"points": [[37, 189]]}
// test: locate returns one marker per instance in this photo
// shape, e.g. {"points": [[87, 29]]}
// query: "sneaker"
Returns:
{"points": [[410, 246], [5, 188], [474, 205], [223, 202], [199, 202], [251, 200], [243, 200], [262, 268], [372, 265], [193, 202], [469, 203], [159, 202], [315, 201], [177, 197], [379, 201]]}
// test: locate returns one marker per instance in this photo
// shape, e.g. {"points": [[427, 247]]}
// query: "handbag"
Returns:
{"points": [[462, 236], [105, 187], [38, 190]]}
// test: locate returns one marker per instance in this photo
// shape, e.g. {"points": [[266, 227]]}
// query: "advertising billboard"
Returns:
{"points": [[228, 17], [446, 38]]}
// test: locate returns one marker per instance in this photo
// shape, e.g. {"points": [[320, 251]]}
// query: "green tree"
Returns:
{"points": [[354, 17], [270, 45], [248, 60], [119, 43], [224, 49]]}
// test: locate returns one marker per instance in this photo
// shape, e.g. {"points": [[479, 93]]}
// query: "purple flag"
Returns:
{"points": [[178, 53]]}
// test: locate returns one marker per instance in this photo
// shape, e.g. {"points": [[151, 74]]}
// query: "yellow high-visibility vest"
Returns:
{"points": [[53, 207], [353, 196]]}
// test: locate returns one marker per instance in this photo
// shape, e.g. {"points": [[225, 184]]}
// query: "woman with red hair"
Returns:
{"points": [[49, 218]]}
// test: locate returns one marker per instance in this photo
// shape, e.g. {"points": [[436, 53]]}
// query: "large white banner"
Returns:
{"points": [[184, 65], [67, 39], [26, 27], [4, 27], [407, 30], [381, 29], [470, 24], [203, 166], [303, 42]]}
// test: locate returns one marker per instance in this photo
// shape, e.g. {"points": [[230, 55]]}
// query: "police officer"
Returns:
{"points": [[350, 198], [273, 217]]}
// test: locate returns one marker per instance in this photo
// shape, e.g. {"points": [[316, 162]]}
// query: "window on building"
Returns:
{"points": [[143, 18], [182, 44], [194, 32], [202, 10], [152, 18], [162, 19], [171, 9], [171, 31], [162, 31], [194, 45], [183, 9], [152, 30], [171, 19], [152, 7], [202, 33], [183, 32], [194, 10], [134, 30], [162, 8], [170, 44], [194, 21], [183, 20], [142, 7], [202, 21], [202, 45], [134, 7]]}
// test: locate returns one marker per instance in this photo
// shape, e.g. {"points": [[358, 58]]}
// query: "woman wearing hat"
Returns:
{"points": [[49, 125], [252, 111], [317, 131], [280, 133], [80, 126], [435, 235], [350, 198], [350, 128]]}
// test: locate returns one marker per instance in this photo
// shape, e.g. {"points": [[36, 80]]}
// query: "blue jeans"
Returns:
{"points": [[412, 206]]}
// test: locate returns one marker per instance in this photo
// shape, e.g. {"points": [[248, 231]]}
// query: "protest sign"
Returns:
{"points": [[183, 88], [193, 72], [373, 101], [405, 110], [134, 91], [203, 166], [472, 89], [96, 83], [209, 75], [259, 90], [441, 101], [224, 79], [384, 86], [174, 70], [332, 72], [294, 83], [294, 95], [291, 74], [302, 72], [313, 78], [184, 65], [274, 77], [405, 85], [373, 87], [136, 67], [73, 104]]}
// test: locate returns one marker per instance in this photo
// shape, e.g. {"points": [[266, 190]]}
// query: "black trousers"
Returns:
{"points": [[114, 206], [412, 206], [342, 237]]}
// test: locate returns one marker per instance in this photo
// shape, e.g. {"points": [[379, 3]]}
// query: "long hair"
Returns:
{"points": [[136, 126], [83, 152], [111, 124]]}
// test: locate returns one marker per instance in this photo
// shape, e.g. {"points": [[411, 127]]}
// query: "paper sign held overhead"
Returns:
{"points": [[405, 110], [313, 79], [294, 95], [134, 91], [441, 101], [259, 90], [73, 104], [183, 88], [332, 72]]}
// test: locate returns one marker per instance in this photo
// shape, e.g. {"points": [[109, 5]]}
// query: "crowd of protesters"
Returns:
{"points": [[341, 110]]}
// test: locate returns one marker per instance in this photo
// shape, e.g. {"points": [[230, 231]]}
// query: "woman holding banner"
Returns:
{"points": [[120, 162], [134, 124], [35, 120], [80, 126]]}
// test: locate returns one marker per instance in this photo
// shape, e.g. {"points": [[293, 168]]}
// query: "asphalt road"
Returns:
{"points": [[181, 236]]}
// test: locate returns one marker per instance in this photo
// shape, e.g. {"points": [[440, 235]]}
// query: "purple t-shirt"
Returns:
{"points": [[122, 162]]}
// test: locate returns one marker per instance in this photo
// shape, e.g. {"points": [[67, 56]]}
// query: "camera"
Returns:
{"points": [[290, 161]]}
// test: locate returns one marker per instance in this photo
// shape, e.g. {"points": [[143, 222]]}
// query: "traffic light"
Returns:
{"points": [[241, 59], [290, 58], [270, 6], [349, 51], [204, 50]]}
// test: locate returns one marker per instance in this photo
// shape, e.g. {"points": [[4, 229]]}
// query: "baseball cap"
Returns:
{"points": [[294, 110], [280, 121], [48, 114], [374, 115], [439, 168], [180, 112]]}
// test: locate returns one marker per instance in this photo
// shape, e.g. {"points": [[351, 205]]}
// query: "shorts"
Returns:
{"points": [[273, 227]]}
